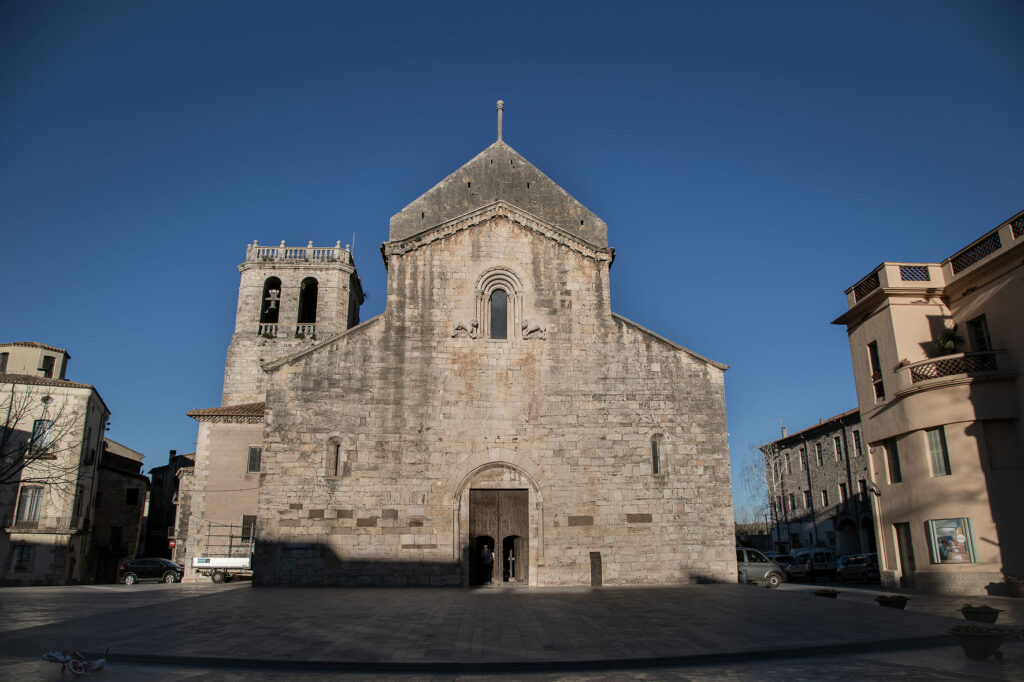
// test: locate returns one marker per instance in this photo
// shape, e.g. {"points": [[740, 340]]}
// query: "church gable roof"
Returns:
{"points": [[499, 173]]}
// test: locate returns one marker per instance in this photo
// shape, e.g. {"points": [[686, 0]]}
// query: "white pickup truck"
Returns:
{"points": [[222, 568]]}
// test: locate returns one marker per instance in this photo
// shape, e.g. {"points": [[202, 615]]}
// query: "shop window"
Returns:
{"points": [[255, 459], [951, 540]]}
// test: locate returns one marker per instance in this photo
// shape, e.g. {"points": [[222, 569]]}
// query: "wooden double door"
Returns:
{"points": [[499, 520]]}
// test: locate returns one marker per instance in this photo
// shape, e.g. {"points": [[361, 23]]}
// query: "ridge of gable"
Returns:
{"points": [[499, 173], [486, 213]]}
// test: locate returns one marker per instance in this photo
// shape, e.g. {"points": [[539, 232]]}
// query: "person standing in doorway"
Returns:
{"points": [[487, 559]]}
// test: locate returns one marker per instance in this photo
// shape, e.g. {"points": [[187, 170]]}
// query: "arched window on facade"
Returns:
{"points": [[656, 455], [499, 304], [499, 314], [270, 306], [307, 307]]}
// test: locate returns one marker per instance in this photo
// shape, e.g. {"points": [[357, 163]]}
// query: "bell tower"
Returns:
{"points": [[288, 298]]}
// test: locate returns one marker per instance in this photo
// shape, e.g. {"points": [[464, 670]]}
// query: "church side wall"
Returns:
{"points": [[412, 412]]}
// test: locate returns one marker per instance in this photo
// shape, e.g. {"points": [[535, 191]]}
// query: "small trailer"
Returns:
{"points": [[226, 554]]}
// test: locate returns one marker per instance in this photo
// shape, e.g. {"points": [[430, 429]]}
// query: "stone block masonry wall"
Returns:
{"points": [[339, 297], [415, 415]]}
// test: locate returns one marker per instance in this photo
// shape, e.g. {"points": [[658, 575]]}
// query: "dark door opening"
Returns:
{"points": [[500, 514], [905, 547]]}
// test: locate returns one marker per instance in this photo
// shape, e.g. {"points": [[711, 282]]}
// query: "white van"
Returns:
{"points": [[809, 564]]}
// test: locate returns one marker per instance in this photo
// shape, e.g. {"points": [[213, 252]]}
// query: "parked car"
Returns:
{"points": [[783, 560], [862, 567], [149, 569], [809, 564], [753, 566]]}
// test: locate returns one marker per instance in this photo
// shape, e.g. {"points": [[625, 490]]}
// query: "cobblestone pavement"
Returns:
{"points": [[680, 633]]}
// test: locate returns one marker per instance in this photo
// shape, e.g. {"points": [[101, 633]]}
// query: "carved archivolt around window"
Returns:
{"points": [[494, 280]]}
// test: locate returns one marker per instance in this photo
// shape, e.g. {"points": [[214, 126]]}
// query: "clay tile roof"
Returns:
{"points": [[40, 381], [36, 344], [246, 410]]}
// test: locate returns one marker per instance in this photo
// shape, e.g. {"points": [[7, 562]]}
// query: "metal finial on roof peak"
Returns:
{"points": [[501, 108]]}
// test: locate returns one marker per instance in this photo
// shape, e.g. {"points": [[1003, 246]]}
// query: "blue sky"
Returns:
{"points": [[752, 160]]}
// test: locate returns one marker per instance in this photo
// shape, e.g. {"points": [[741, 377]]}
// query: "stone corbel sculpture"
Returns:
{"points": [[532, 330], [464, 329]]}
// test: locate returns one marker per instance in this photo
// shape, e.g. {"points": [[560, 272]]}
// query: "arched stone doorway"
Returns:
{"points": [[500, 505]]}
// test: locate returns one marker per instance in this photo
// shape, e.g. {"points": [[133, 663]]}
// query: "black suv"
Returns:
{"points": [[160, 570]]}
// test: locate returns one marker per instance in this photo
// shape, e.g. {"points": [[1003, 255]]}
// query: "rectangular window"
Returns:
{"points": [[778, 504], [115, 538], [951, 541], [856, 444], [655, 458], [876, 370], [792, 501], [892, 458], [803, 459], [131, 496], [3, 362], [29, 501], [862, 486], [255, 459], [47, 368], [336, 460], [940, 455], [844, 496], [789, 463], [248, 527], [807, 499], [817, 454], [838, 442], [42, 434], [824, 498], [21, 559], [977, 334]]}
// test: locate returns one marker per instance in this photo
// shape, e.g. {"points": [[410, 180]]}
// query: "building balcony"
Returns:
{"points": [[953, 368], [299, 254], [895, 276], [267, 329], [43, 524]]}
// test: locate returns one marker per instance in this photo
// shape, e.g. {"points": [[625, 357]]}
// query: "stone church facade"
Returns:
{"points": [[496, 401]]}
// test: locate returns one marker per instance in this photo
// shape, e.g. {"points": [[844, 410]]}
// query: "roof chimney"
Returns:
{"points": [[783, 430]]}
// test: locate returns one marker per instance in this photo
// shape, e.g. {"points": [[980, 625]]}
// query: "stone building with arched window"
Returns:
{"points": [[497, 402]]}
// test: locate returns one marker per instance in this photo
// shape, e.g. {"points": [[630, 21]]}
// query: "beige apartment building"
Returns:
{"points": [[50, 447], [937, 352]]}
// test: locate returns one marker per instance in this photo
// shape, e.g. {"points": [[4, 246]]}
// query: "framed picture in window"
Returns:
{"points": [[951, 541]]}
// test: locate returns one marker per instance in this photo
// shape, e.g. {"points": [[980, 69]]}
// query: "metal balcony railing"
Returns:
{"points": [[961, 363], [49, 524]]}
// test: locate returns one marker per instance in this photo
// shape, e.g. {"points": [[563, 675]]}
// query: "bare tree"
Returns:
{"points": [[40, 437], [771, 468]]}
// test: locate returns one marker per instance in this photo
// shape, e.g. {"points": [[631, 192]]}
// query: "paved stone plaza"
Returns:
{"points": [[687, 632]]}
